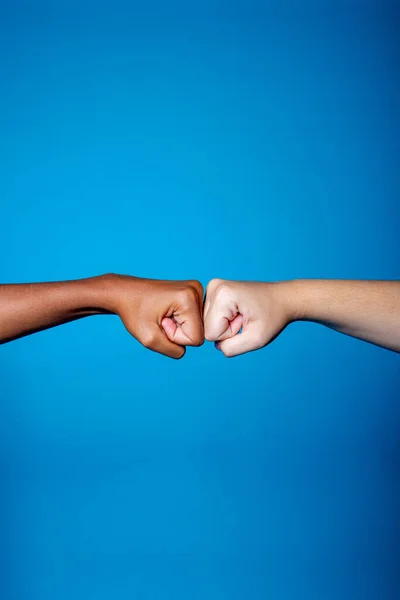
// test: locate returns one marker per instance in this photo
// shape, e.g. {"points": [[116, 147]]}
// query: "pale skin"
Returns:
{"points": [[167, 316], [369, 310]]}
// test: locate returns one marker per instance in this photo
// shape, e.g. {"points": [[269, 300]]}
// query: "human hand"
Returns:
{"points": [[165, 316], [258, 309]]}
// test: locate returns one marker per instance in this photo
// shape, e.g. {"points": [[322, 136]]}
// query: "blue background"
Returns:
{"points": [[240, 140]]}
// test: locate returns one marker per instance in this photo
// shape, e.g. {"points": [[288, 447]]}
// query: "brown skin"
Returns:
{"points": [[165, 316]]}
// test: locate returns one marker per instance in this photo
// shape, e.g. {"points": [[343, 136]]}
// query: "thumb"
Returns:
{"points": [[222, 321], [250, 339]]}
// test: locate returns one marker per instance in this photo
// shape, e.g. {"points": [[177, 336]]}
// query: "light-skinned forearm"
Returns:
{"points": [[369, 310]]}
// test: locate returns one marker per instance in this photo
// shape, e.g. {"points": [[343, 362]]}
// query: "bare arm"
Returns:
{"points": [[164, 316], [369, 310], [28, 308]]}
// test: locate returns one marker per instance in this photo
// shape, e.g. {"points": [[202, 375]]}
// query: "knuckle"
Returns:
{"points": [[180, 354], [198, 288], [187, 296], [213, 285], [148, 339], [198, 339], [222, 291], [259, 339], [227, 352], [208, 331]]}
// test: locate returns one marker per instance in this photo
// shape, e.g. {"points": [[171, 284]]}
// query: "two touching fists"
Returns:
{"points": [[167, 316]]}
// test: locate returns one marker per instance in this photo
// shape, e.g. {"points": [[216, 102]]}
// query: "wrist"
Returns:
{"points": [[289, 296], [114, 291], [99, 294], [311, 299]]}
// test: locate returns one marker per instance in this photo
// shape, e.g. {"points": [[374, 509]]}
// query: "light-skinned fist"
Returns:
{"points": [[241, 316]]}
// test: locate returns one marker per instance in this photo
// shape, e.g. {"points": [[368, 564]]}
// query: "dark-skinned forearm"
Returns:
{"points": [[27, 308]]}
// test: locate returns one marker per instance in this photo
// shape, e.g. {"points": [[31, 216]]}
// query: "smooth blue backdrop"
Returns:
{"points": [[233, 139]]}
